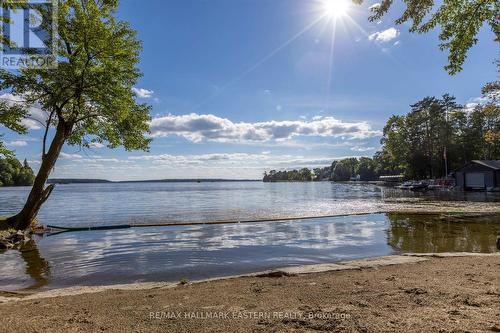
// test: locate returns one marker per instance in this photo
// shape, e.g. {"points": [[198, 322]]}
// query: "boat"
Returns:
{"points": [[418, 186], [441, 185], [405, 186], [413, 186]]}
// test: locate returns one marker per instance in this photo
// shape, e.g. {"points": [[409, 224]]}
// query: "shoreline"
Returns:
{"points": [[356, 264], [447, 292]]}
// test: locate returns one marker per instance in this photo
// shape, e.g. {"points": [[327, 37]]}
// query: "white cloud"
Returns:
{"points": [[36, 116], [108, 160], [198, 128], [215, 165], [96, 145], [362, 149], [31, 124], [385, 35], [18, 143], [96, 159], [197, 158], [473, 102], [261, 161], [66, 156], [143, 93]]}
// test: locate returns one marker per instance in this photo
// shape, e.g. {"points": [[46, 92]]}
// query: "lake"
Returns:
{"points": [[122, 203], [171, 253]]}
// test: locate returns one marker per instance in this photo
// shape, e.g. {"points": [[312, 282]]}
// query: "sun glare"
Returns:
{"points": [[336, 8]]}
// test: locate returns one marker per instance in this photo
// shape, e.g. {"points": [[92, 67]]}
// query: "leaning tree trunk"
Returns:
{"points": [[39, 193]]}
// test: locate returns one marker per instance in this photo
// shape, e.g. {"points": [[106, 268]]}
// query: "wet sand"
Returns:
{"points": [[389, 294]]}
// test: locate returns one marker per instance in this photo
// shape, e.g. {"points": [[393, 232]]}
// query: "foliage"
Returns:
{"points": [[10, 117], [366, 169], [91, 89], [320, 174], [303, 174], [13, 173], [88, 98], [341, 170], [344, 169], [438, 129], [3, 150], [435, 131], [459, 22]]}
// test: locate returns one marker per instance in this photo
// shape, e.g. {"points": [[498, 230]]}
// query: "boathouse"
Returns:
{"points": [[479, 175]]}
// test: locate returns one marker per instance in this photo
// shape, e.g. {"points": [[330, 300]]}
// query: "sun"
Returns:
{"points": [[336, 8]]}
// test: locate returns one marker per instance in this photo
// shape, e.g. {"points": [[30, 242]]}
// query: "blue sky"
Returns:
{"points": [[242, 86]]}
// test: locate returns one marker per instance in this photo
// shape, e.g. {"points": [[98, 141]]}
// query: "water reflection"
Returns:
{"points": [[204, 251], [171, 253], [420, 233], [36, 266], [25, 268]]}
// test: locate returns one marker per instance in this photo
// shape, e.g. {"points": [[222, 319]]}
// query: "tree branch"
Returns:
{"points": [[47, 126]]}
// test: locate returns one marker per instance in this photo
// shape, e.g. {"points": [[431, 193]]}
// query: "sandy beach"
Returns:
{"points": [[388, 294], [249, 166]]}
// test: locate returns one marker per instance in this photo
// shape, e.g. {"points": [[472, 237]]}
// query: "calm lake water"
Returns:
{"points": [[105, 204], [202, 251]]}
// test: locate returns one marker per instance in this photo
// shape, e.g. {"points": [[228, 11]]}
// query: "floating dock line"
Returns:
{"points": [[107, 227], [195, 223], [61, 229]]}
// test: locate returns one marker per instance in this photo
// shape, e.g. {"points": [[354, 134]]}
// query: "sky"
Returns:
{"points": [[238, 87]]}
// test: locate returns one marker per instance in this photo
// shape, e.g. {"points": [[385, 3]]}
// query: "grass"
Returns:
{"points": [[184, 281], [4, 231]]}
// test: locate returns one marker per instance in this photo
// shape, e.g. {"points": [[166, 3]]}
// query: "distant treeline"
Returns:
{"points": [[364, 169], [63, 181], [13, 173], [418, 144]]}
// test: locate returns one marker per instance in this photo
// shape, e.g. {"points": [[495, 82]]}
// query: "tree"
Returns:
{"points": [[25, 177], [332, 167], [10, 117], [366, 169], [344, 169], [458, 20], [13, 173], [4, 151], [415, 143], [491, 91], [305, 174], [88, 97], [322, 173]]}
